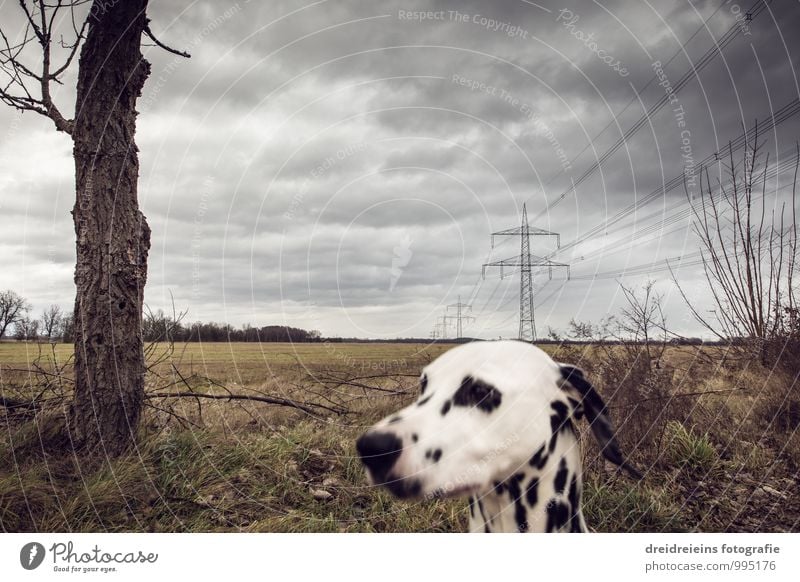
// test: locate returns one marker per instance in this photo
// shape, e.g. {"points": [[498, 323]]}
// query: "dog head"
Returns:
{"points": [[483, 409]]}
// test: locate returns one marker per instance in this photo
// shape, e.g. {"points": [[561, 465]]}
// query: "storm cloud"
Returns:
{"points": [[341, 165]]}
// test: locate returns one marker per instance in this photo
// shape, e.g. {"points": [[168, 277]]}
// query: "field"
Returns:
{"points": [[715, 435]]}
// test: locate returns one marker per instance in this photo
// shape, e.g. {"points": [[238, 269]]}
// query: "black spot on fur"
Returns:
{"points": [[515, 492], [424, 400], [577, 409], [539, 458], [483, 514], [428, 454], [403, 488], [471, 506], [394, 419], [446, 407], [573, 492], [423, 384], [553, 441], [560, 482], [532, 492], [559, 420], [557, 515], [477, 393], [414, 437], [575, 505], [498, 487], [437, 454], [560, 409]]}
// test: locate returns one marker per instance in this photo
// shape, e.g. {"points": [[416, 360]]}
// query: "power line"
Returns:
{"points": [[676, 262], [634, 99], [776, 118], [695, 69], [781, 115], [786, 112], [787, 164], [645, 268]]}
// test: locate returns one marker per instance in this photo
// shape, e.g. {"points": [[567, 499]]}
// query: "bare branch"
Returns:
{"points": [[748, 251], [673, 396], [31, 21], [229, 397], [73, 50], [40, 18], [159, 44]]}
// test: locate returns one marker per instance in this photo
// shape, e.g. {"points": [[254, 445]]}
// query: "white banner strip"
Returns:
{"points": [[399, 557]]}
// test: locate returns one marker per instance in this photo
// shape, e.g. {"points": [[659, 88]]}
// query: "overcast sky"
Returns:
{"points": [[341, 165]]}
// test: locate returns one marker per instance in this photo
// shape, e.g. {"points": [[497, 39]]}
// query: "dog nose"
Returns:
{"points": [[379, 451]]}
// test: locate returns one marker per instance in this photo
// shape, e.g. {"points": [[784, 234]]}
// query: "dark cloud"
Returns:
{"points": [[341, 165]]}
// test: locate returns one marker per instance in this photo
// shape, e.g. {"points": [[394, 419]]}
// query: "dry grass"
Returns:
{"points": [[716, 437]]}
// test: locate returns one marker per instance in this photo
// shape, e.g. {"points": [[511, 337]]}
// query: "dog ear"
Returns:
{"points": [[586, 400]]}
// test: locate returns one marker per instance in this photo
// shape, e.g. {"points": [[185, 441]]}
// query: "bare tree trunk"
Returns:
{"points": [[113, 238]]}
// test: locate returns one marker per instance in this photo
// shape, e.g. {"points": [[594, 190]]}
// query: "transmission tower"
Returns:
{"points": [[461, 309], [526, 262], [440, 328]]}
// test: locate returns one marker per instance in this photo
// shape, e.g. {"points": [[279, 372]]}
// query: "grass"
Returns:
{"points": [[203, 481], [686, 448], [250, 466], [247, 363], [630, 507], [247, 355]]}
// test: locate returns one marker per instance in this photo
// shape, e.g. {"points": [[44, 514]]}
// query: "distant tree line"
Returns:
{"points": [[159, 326], [53, 325], [16, 321]]}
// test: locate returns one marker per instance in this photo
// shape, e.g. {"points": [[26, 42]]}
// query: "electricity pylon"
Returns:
{"points": [[440, 328], [460, 315], [526, 261]]}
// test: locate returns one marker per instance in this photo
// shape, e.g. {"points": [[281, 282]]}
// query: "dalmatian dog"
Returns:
{"points": [[494, 422]]}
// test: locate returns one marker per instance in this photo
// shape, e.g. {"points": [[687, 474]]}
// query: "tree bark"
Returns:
{"points": [[113, 238]]}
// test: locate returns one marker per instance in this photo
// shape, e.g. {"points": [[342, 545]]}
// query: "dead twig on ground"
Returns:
{"points": [[310, 408]]}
